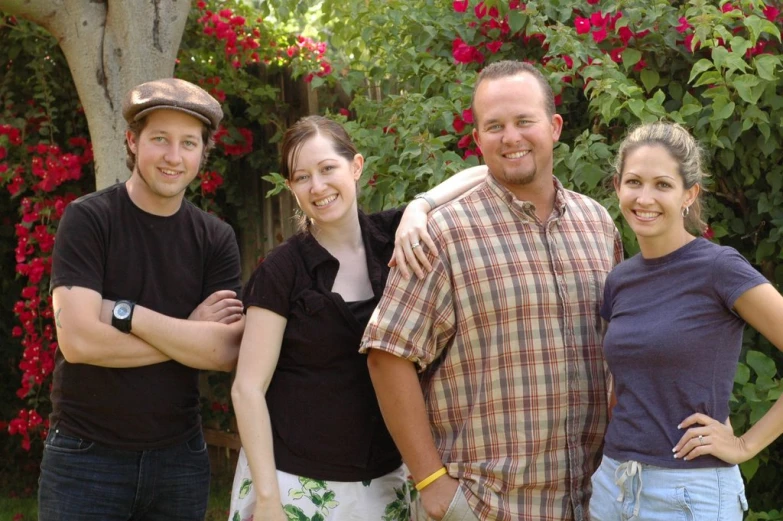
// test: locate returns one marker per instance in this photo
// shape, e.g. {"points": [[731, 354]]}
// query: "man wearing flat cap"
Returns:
{"points": [[144, 291]]}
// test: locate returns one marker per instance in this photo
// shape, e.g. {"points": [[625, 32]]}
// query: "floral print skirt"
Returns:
{"points": [[387, 498]]}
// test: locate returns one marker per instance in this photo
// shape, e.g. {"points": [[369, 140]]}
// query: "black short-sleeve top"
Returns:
{"points": [[326, 423]]}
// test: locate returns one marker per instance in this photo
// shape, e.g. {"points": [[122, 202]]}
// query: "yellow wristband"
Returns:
{"points": [[424, 483]]}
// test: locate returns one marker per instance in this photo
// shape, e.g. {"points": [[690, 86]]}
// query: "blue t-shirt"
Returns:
{"points": [[672, 345]]}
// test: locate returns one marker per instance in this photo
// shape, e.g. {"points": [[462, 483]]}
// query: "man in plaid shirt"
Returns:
{"points": [[507, 418]]}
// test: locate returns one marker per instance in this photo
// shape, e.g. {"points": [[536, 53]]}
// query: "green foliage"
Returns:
{"points": [[712, 66]]}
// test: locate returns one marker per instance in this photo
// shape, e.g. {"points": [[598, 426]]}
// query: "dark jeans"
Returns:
{"points": [[82, 480]]}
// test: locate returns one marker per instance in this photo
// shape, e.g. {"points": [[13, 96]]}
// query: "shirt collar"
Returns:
{"points": [[315, 255], [526, 206]]}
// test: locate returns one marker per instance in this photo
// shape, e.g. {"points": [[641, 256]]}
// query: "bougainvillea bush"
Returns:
{"points": [[714, 66]]}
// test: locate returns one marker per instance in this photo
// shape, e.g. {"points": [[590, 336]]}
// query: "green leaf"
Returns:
{"points": [[722, 108], [742, 376], [699, 67], [709, 78], [631, 57], [744, 85], [761, 363], [749, 468], [766, 65], [244, 489], [516, 20], [294, 513], [650, 79], [719, 56], [756, 26]]}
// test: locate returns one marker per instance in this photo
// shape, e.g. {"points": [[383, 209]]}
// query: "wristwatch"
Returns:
{"points": [[426, 197], [122, 314]]}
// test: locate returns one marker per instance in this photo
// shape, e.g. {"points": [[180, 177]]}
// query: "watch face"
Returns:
{"points": [[122, 311]]}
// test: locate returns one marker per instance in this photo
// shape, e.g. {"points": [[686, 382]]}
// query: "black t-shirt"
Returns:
{"points": [[326, 423], [168, 264]]}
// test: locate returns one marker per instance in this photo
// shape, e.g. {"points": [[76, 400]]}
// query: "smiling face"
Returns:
{"points": [[652, 197], [515, 133], [168, 151], [324, 182]]}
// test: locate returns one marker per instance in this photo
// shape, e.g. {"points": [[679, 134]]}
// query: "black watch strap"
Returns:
{"points": [[122, 314]]}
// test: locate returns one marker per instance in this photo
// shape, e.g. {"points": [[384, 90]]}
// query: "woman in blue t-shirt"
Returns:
{"points": [[676, 314], [315, 445]]}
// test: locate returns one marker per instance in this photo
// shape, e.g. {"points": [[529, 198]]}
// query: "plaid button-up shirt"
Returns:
{"points": [[507, 333]]}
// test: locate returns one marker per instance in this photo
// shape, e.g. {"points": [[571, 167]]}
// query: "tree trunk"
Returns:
{"points": [[111, 46]]}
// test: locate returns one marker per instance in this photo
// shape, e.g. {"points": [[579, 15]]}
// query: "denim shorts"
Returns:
{"points": [[84, 481], [632, 490]]}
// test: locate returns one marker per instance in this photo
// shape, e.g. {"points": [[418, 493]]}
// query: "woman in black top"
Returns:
{"points": [[313, 436]]}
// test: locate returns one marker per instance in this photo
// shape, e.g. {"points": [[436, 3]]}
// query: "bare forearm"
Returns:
{"points": [[256, 432], [457, 184], [402, 405], [765, 431], [197, 344]]}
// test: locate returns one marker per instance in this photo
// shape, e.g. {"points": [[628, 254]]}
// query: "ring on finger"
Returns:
{"points": [[415, 245], [701, 439]]}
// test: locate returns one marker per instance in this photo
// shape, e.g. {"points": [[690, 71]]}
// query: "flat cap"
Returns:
{"points": [[172, 94]]}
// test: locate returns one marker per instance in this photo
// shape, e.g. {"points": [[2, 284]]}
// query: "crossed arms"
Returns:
{"points": [[208, 339]]}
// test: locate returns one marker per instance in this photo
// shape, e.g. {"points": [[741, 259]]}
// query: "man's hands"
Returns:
{"points": [[221, 306], [437, 497]]}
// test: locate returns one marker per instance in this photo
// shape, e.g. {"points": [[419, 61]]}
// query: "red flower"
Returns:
{"points": [[582, 25], [617, 54], [568, 61], [708, 233], [458, 124], [465, 141], [201, 4], [480, 10], [460, 6], [558, 100], [464, 53], [728, 7], [3, 153], [684, 25], [625, 34], [640, 66], [345, 112], [593, 2], [467, 115], [598, 20], [599, 35], [494, 46], [771, 13]]}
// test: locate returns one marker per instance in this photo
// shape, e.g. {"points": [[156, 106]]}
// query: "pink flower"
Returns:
{"points": [[460, 6], [568, 61], [617, 54], [684, 25], [480, 10], [467, 115], [558, 100], [593, 2], [640, 66], [582, 25], [727, 7], [708, 233], [599, 35]]}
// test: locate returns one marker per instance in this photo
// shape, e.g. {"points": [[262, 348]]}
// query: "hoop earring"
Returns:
{"points": [[686, 211]]}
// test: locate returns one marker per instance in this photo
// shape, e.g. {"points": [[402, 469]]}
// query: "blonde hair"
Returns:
{"points": [[683, 148]]}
